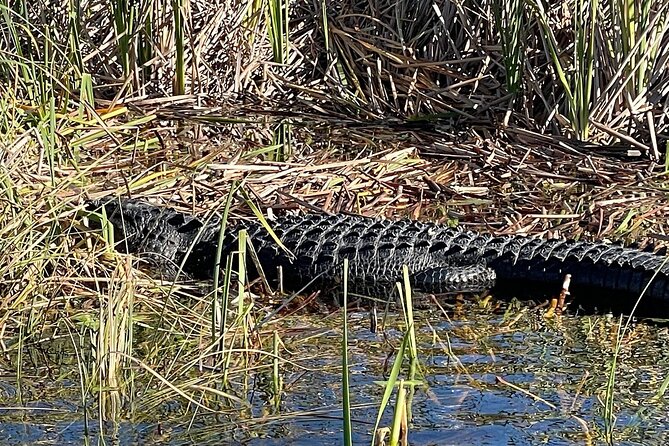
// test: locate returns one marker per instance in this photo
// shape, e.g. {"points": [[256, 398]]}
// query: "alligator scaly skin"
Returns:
{"points": [[440, 259]]}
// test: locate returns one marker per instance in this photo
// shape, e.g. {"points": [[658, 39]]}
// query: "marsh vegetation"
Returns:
{"points": [[529, 117]]}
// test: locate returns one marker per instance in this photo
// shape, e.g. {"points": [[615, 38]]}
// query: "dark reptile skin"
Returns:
{"points": [[439, 258]]}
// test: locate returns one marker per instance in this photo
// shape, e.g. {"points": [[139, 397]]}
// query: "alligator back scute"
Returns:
{"points": [[439, 258]]}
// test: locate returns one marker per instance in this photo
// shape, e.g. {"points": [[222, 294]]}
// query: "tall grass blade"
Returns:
{"points": [[399, 416], [408, 313], [282, 142], [510, 22], [277, 381], [576, 83], [390, 383], [178, 7], [241, 280], [326, 27], [277, 23], [346, 389], [609, 410], [217, 304]]}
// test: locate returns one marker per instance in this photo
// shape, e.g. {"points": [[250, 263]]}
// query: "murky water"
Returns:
{"points": [[489, 380]]}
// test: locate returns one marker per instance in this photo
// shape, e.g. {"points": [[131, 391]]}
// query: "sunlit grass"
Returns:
{"points": [[345, 384], [510, 24], [575, 73], [620, 341], [279, 31], [180, 11], [408, 349]]}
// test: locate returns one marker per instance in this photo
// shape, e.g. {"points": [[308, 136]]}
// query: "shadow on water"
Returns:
{"points": [[505, 376]]}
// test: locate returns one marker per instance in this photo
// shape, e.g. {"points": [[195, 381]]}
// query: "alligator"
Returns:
{"points": [[440, 259]]}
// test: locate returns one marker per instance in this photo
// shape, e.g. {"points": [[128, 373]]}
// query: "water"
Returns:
{"points": [[470, 364]]}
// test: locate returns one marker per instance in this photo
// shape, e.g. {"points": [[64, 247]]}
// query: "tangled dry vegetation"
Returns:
{"points": [[505, 116]]}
